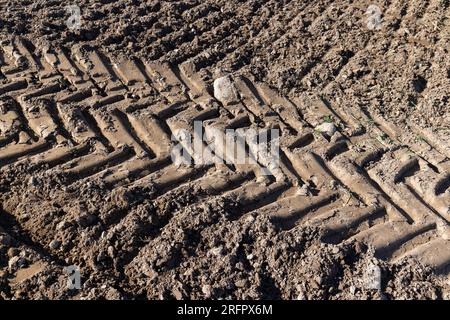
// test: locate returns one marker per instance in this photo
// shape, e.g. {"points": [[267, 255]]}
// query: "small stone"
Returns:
{"points": [[32, 181], [303, 190], [62, 225], [24, 138], [250, 257], [333, 184], [12, 262], [216, 251], [16, 262], [54, 245], [177, 294], [328, 128], [74, 71], [111, 251], [250, 219], [318, 279], [12, 252], [206, 289], [314, 180], [352, 290], [240, 266]]}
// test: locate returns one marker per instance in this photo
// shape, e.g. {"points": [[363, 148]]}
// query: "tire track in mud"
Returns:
{"points": [[404, 214], [99, 129]]}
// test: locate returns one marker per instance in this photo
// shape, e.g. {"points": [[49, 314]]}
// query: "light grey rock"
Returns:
{"points": [[55, 244], [328, 128], [225, 91]]}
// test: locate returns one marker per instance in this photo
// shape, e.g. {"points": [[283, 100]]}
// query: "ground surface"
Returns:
{"points": [[358, 208]]}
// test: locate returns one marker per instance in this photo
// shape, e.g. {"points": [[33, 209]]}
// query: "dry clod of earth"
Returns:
{"points": [[357, 206]]}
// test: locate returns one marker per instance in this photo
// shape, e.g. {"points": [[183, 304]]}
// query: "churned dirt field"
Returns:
{"points": [[358, 207]]}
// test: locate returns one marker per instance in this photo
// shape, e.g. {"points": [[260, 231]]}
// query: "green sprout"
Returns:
{"points": [[385, 139], [328, 119], [421, 138]]}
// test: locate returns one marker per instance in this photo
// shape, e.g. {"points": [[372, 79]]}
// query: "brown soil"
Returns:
{"points": [[358, 209]]}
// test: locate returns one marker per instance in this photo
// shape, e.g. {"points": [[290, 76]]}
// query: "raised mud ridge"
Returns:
{"points": [[93, 117]]}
